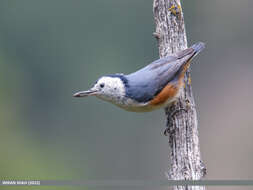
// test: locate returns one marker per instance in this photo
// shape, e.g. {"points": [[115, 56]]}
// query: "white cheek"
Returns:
{"points": [[106, 91], [113, 90]]}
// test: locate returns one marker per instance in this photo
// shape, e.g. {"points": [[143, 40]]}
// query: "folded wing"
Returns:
{"points": [[147, 82]]}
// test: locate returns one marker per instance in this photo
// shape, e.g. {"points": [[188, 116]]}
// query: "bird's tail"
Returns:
{"points": [[198, 47], [192, 52]]}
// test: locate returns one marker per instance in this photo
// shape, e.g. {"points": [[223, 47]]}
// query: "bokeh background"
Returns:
{"points": [[51, 49]]}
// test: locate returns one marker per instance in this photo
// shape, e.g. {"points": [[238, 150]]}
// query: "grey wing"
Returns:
{"points": [[145, 83]]}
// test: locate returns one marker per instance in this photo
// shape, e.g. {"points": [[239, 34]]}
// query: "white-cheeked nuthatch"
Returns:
{"points": [[154, 86]]}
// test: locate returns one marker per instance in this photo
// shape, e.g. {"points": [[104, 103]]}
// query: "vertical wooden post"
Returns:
{"points": [[182, 121]]}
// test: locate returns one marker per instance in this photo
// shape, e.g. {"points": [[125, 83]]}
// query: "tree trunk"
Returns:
{"points": [[182, 124]]}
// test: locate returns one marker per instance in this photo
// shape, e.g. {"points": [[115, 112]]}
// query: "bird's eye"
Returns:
{"points": [[102, 85]]}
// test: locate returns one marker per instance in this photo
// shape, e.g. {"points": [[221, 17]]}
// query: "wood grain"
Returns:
{"points": [[186, 163]]}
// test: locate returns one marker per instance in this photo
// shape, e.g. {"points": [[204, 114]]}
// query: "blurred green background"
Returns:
{"points": [[51, 49]]}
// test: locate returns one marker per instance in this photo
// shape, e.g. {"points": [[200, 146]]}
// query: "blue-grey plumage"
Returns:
{"points": [[154, 86], [150, 80]]}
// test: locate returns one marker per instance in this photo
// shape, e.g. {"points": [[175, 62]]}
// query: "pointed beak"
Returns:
{"points": [[85, 93]]}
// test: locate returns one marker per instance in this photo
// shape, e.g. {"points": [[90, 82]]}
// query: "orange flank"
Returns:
{"points": [[168, 92]]}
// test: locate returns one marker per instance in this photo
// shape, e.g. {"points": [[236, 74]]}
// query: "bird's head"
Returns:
{"points": [[109, 88]]}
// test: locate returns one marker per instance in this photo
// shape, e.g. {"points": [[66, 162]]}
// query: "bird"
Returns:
{"points": [[155, 86]]}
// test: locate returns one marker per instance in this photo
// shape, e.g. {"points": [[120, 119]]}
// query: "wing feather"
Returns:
{"points": [[147, 82]]}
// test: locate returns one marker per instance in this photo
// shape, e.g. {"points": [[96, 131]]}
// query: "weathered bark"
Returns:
{"points": [[182, 121]]}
